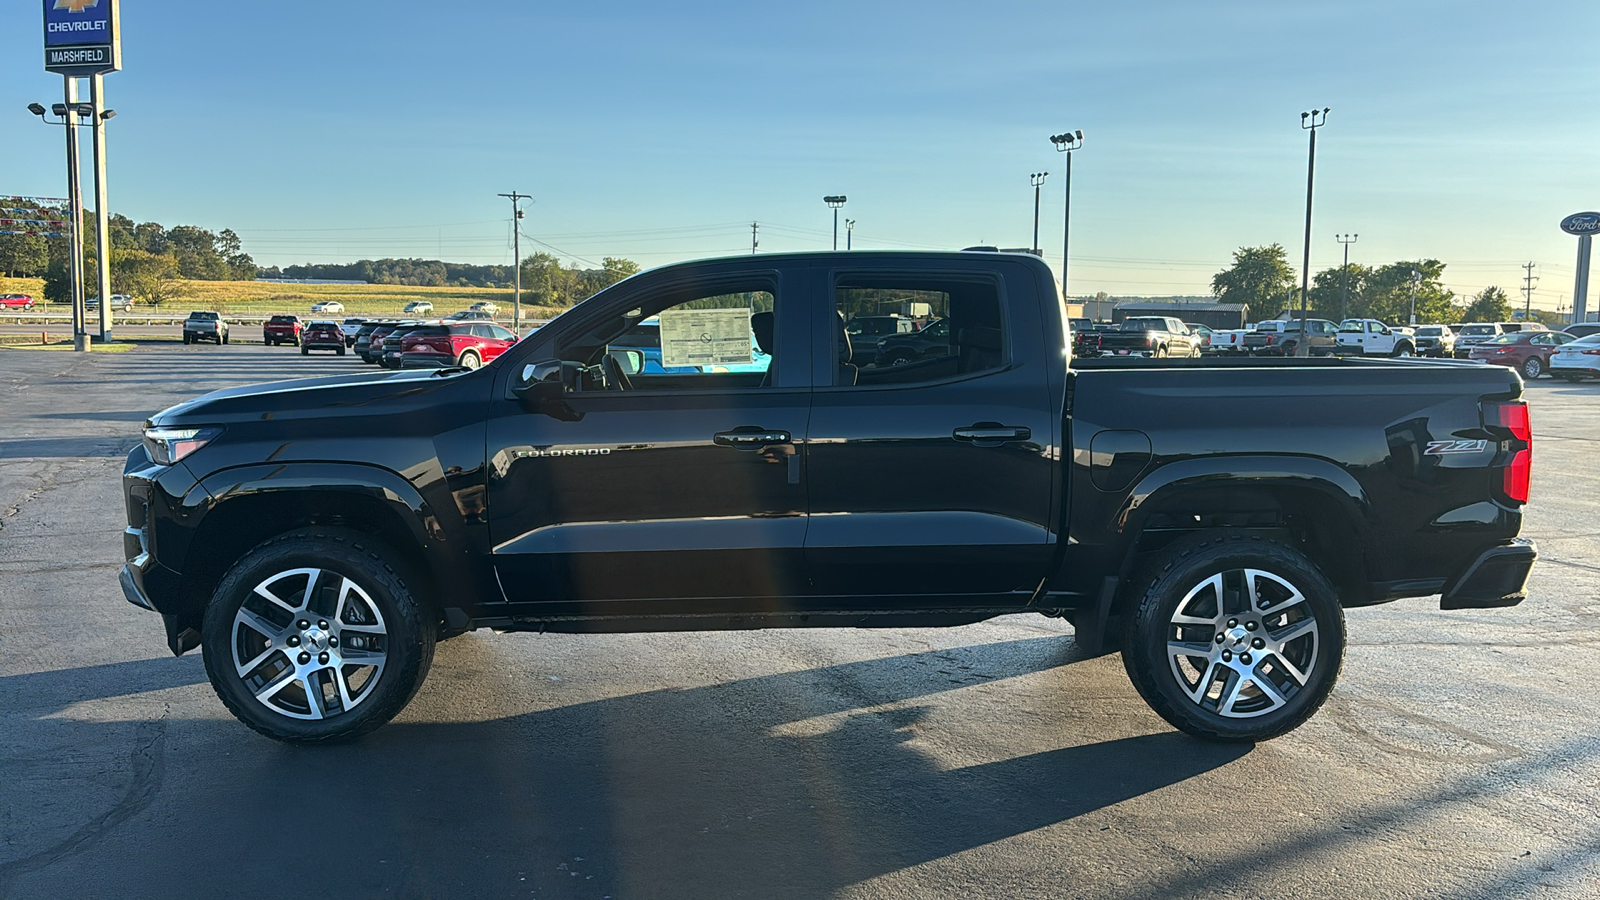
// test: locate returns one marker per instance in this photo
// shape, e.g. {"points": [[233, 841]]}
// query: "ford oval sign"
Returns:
{"points": [[1583, 223]]}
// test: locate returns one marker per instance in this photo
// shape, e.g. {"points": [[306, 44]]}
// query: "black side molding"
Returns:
{"points": [[1498, 577]]}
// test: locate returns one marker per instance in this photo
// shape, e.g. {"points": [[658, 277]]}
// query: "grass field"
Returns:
{"points": [[261, 298]]}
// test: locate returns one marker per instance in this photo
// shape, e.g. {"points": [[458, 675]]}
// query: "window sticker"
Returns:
{"points": [[705, 337]]}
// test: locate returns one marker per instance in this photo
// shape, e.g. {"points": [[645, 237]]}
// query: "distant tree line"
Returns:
{"points": [[545, 281], [147, 260], [1262, 278]]}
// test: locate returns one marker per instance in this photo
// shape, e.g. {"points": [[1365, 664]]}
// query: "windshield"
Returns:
{"points": [[1144, 325], [1480, 330], [1508, 339], [1430, 331]]}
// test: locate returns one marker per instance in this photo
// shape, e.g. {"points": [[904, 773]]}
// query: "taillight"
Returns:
{"points": [[1591, 353], [1512, 416]]}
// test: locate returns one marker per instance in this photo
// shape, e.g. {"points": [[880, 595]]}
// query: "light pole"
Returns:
{"points": [[849, 230], [1344, 298], [516, 251], [1310, 121], [835, 201], [1036, 180], [1066, 143], [1416, 279], [72, 114]]}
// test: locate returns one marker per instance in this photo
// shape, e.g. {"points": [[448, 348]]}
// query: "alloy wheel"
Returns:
{"points": [[1242, 643], [309, 644]]}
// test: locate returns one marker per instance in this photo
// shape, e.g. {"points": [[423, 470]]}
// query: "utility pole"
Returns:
{"points": [[1066, 143], [1036, 179], [1528, 281], [835, 201], [516, 251], [849, 230], [1344, 299], [1416, 279], [753, 244], [1309, 121]]}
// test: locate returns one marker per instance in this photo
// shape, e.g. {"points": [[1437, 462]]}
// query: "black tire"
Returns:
{"points": [[1532, 367], [1403, 350], [341, 350], [408, 633], [470, 359], [305, 351], [1183, 574], [187, 339]]}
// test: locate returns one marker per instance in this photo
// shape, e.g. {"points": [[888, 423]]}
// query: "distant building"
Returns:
{"points": [[1213, 315]]}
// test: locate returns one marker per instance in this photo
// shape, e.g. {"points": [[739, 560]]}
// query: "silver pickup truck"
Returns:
{"points": [[204, 325]]}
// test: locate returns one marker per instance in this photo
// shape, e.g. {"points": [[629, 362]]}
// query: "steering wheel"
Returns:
{"points": [[614, 374]]}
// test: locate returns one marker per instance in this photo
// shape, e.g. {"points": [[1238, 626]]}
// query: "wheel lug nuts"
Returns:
{"points": [[1233, 623], [1227, 656], [303, 624], [333, 642], [294, 640], [1221, 637], [1258, 643], [1251, 626], [322, 623], [322, 658], [305, 658], [1244, 658]]}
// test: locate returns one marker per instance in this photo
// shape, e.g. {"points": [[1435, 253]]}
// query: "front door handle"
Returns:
{"points": [[750, 440], [991, 434]]}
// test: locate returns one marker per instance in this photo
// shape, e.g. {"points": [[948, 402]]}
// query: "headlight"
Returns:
{"points": [[169, 445]]}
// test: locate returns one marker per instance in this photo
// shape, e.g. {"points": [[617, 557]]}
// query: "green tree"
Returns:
{"points": [[151, 277], [1390, 289], [24, 255], [1490, 305], [1260, 277], [1328, 293]]}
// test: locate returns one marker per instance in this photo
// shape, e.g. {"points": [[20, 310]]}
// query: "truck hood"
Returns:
{"points": [[332, 395]]}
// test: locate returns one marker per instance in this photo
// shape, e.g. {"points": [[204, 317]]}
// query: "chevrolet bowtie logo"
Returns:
{"points": [[76, 6]]}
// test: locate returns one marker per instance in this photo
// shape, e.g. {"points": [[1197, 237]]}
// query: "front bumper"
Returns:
{"points": [[1498, 577]]}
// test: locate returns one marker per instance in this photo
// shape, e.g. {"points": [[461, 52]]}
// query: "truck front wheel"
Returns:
{"points": [[1234, 637], [315, 636]]}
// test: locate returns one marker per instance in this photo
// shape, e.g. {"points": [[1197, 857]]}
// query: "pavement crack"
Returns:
{"points": [[149, 771]]}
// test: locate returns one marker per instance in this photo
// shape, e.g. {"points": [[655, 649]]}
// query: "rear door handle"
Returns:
{"points": [[991, 434], [750, 440]]}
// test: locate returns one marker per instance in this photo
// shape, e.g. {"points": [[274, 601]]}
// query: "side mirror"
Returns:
{"points": [[630, 361], [542, 388]]}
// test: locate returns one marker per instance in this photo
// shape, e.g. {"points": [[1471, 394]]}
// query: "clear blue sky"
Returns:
{"points": [[332, 131]]}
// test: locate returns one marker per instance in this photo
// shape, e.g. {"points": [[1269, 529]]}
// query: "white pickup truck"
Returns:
{"points": [[1370, 337]]}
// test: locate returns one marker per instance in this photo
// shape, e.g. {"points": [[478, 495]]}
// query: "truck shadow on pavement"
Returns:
{"points": [[787, 785]]}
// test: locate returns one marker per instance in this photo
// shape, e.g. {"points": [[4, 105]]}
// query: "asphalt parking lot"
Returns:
{"points": [[1459, 756]]}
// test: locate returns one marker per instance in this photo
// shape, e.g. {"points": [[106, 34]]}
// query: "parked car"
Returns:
{"points": [[363, 344], [418, 308], [1201, 334], [469, 344], [1435, 340], [899, 348], [1582, 329], [1283, 338], [389, 346], [866, 333], [348, 328], [119, 303], [1086, 341], [373, 352], [1230, 340], [1526, 351], [281, 330], [1577, 359], [1371, 337], [1474, 333], [1152, 336], [1162, 509], [16, 301], [470, 315], [488, 306], [322, 334], [205, 325], [328, 307]]}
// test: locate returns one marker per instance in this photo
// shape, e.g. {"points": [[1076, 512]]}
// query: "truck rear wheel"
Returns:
{"points": [[1234, 637], [316, 637]]}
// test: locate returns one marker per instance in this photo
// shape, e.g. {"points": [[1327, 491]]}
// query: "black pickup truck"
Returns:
{"points": [[1211, 519]]}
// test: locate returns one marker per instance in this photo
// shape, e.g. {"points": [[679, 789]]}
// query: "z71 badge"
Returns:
{"points": [[1440, 448]]}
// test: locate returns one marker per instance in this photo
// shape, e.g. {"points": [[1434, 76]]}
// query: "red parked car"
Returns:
{"points": [[1527, 351], [281, 330], [469, 344], [16, 301], [322, 335]]}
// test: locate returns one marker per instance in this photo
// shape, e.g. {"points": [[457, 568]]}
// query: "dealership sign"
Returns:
{"points": [[81, 37], [1582, 223]]}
